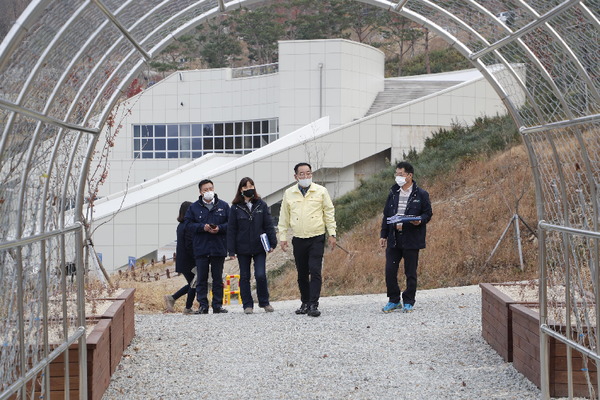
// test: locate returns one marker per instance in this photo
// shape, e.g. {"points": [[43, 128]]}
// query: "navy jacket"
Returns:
{"points": [[208, 244], [185, 250], [245, 228], [413, 236]]}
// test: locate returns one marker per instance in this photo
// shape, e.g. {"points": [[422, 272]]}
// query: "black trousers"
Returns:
{"points": [[308, 254], [189, 277], [392, 263], [216, 268]]}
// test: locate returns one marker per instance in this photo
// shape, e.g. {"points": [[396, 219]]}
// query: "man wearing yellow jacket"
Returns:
{"points": [[308, 209]]}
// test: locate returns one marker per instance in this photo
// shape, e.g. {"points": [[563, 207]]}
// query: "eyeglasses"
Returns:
{"points": [[404, 174], [304, 174]]}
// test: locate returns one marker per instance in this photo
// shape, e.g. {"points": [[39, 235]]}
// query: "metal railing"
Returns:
{"points": [[246, 72]]}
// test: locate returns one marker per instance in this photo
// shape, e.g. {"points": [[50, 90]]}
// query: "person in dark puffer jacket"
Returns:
{"points": [[249, 218], [184, 263], [207, 219]]}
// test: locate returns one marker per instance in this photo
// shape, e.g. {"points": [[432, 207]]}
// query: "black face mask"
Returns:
{"points": [[248, 193]]}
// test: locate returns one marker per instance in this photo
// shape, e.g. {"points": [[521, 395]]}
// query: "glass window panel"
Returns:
{"points": [[147, 154], [160, 154], [247, 151], [197, 144], [239, 143], [208, 143], [147, 130], [184, 144], [173, 144], [160, 144], [136, 154], [208, 129], [196, 154], [256, 127], [239, 128], [248, 142], [265, 140], [265, 127], [160, 130], [147, 144], [229, 152], [272, 138], [173, 154], [136, 131], [197, 130], [184, 154], [239, 152], [218, 143], [173, 130], [136, 144], [256, 141], [247, 128], [184, 130], [229, 129], [273, 126], [229, 143], [218, 129]]}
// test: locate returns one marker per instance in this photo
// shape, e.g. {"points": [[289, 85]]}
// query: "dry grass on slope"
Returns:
{"points": [[470, 215]]}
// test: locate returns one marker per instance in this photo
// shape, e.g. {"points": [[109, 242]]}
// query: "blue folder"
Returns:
{"points": [[265, 242]]}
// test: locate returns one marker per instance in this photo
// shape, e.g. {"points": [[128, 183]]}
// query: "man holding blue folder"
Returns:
{"points": [[404, 227]]}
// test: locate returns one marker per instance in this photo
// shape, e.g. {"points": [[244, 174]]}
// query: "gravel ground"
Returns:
{"points": [[352, 351]]}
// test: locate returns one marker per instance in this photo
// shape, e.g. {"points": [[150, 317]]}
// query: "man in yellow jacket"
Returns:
{"points": [[308, 209]]}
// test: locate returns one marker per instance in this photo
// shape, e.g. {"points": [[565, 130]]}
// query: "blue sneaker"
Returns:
{"points": [[389, 307], [407, 308]]}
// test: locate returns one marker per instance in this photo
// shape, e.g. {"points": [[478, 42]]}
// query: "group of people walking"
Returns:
{"points": [[209, 230]]}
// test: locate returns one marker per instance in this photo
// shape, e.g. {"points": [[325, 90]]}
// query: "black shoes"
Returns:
{"points": [[313, 311], [202, 310], [303, 309], [220, 310]]}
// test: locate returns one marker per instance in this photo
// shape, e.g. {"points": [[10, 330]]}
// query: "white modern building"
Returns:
{"points": [[326, 102]]}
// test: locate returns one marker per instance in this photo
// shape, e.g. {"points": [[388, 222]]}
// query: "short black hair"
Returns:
{"points": [[204, 182], [301, 164], [408, 168]]}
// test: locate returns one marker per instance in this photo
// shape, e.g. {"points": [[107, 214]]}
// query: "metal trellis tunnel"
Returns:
{"points": [[65, 64]]}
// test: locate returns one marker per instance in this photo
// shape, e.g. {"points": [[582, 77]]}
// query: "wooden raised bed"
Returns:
{"points": [[496, 319], [98, 367], [128, 315], [526, 342], [116, 314]]}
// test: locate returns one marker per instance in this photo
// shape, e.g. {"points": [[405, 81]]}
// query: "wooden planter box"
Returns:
{"points": [[128, 316], [115, 313], [98, 367], [526, 342], [496, 319]]}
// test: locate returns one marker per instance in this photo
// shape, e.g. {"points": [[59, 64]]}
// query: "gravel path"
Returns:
{"points": [[352, 351]]}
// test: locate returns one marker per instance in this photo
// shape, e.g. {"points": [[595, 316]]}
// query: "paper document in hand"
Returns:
{"points": [[399, 219], [265, 242]]}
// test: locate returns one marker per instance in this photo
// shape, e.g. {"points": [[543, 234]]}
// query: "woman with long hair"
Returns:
{"points": [[249, 218], [184, 262]]}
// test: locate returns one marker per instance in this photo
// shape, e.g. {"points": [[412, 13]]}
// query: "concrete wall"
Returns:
{"points": [[463, 104], [207, 95], [353, 74]]}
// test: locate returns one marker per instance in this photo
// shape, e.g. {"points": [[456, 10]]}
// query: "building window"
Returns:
{"points": [[195, 140]]}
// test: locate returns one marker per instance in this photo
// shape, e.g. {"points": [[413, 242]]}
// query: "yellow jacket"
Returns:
{"points": [[308, 215]]}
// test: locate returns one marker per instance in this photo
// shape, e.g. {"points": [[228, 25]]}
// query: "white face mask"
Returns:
{"points": [[208, 196], [400, 180], [305, 182]]}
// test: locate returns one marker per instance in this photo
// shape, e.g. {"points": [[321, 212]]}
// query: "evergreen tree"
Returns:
{"points": [[220, 47], [260, 30]]}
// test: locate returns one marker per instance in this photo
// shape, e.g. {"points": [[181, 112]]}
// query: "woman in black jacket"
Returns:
{"points": [[249, 218], [184, 263]]}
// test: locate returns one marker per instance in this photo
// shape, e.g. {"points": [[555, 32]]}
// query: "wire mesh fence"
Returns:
{"points": [[66, 62]]}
